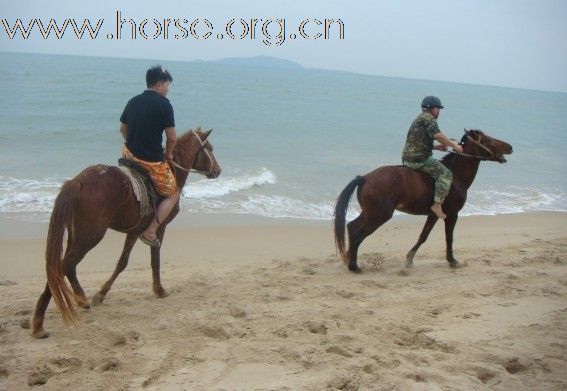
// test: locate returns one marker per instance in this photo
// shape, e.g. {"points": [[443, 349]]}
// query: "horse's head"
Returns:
{"points": [[194, 151], [478, 144], [205, 161]]}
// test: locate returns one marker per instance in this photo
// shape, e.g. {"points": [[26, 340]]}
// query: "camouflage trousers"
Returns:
{"points": [[435, 169]]}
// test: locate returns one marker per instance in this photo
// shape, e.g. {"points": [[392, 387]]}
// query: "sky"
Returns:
{"points": [[510, 43]]}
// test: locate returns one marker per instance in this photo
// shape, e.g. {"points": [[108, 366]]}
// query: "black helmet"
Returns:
{"points": [[430, 102]]}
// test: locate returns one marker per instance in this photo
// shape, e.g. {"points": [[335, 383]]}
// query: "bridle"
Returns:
{"points": [[478, 143], [202, 148]]}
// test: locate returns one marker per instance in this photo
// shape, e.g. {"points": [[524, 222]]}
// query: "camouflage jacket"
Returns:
{"points": [[419, 142]]}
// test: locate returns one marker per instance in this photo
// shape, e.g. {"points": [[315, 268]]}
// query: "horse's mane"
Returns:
{"points": [[449, 158], [185, 137]]}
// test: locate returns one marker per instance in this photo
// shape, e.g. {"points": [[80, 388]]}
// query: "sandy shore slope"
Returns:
{"points": [[258, 306]]}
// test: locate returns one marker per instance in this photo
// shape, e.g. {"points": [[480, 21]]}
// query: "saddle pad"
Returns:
{"points": [[139, 186]]}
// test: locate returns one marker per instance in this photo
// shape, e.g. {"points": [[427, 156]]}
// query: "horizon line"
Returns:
{"points": [[302, 67]]}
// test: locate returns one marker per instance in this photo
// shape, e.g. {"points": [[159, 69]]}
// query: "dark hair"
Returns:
{"points": [[156, 74]]}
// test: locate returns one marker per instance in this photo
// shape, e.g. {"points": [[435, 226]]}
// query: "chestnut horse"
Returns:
{"points": [[390, 188], [101, 197]]}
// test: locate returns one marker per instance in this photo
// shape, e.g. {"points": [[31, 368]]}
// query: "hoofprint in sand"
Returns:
{"points": [[500, 322]]}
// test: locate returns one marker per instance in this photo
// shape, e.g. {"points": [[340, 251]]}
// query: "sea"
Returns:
{"points": [[288, 139]]}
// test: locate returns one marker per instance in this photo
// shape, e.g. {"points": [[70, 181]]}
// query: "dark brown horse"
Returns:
{"points": [[101, 197], [390, 188]]}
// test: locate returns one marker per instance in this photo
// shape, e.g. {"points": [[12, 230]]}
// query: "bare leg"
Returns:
{"points": [[120, 266], [163, 211], [429, 224], [438, 210]]}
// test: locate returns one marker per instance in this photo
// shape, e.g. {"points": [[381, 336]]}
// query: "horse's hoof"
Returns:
{"points": [[161, 294], [455, 264], [97, 299], [84, 305], [40, 334], [409, 264], [355, 269]]}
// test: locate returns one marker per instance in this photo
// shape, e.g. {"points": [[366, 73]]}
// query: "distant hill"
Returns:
{"points": [[259, 61]]}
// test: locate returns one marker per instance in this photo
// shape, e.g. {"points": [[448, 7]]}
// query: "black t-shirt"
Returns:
{"points": [[147, 115]]}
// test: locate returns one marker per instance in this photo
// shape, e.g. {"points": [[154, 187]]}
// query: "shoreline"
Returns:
{"points": [[14, 228], [219, 241]]}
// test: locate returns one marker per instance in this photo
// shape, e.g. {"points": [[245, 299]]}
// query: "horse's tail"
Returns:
{"points": [[61, 216], [340, 214]]}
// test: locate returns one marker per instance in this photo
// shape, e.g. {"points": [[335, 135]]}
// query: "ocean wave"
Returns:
{"points": [[513, 200], [206, 188], [272, 206], [485, 202], [28, 195], [32, 199]]}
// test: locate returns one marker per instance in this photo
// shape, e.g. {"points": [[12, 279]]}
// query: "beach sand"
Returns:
{"points": [[258, 304]]}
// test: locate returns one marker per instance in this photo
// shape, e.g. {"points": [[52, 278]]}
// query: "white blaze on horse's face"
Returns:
{"points": [[206, 163]]}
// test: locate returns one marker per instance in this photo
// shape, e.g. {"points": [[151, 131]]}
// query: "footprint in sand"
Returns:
{"points": [[316, 327], [485, 374], [514, 365], [25, 323], [344, 381], [339, 350], [214, 332], [40, 376], [51, 368], [372, 284], [118, 340], [110, 364], [346, 294], [237, 313]]}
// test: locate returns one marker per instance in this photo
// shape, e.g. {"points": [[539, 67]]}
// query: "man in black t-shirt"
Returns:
{"points": [[145, 118]]}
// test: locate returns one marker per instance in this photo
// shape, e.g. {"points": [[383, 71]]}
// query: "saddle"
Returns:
{"points": [[142, 186]]}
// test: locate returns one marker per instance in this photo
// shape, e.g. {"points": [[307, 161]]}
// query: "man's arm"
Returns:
{"points": [[440, 147], [443, 140], [123, 130], [170, 142]]}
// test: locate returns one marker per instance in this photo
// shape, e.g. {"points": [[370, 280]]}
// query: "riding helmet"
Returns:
{"points": [[430, 102]]}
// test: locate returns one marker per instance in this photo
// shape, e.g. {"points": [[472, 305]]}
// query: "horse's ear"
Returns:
{"points": [[206, 135], [466, 131]]}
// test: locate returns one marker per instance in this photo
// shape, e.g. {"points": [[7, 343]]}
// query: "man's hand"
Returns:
{"points": [[457, 148], [169, 157]]}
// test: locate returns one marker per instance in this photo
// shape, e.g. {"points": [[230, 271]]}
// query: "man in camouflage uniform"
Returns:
{"points": [[419, 146]]}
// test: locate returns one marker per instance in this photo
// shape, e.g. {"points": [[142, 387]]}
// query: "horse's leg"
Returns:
{"points": [[429, 224], [39, 314], [155, 251], [450, 222], [73, 256], [79, 247], [358, 230], [120, 266]]}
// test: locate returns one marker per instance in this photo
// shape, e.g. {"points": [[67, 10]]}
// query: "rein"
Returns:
{"points": [[201, 149], [478, 143]]}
